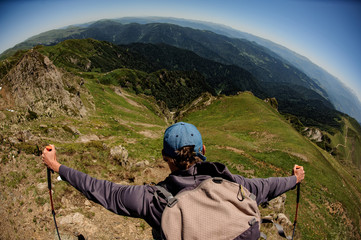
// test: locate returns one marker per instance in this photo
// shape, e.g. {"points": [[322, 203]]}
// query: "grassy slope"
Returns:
{"points": [[123, 120], [128, 120], [243, 130], [347, 143]]}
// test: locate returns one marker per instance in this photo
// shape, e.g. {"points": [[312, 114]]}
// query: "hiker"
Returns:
{"points": [[184, 152]]}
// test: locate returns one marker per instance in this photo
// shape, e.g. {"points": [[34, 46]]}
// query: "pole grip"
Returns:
{"points": [[49, 148]]}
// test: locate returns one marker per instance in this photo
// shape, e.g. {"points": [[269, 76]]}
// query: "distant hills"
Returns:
{"points": [[308, 105], [120, 62], [340, 96], [268, 62]]}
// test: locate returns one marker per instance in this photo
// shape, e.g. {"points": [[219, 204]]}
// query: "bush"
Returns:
{"points": [[27, 148], [31, 115]]}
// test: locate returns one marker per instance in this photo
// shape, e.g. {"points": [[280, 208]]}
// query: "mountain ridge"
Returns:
{"points": [[304, 97], [343, 99]]}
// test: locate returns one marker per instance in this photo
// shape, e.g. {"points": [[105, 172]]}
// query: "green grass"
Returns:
{"points": [[243, 130], [347, 144], [117, 120], [13, 179]]}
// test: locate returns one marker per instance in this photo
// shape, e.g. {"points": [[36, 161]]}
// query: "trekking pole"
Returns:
{"points": [[297, 203], [49, 171]]}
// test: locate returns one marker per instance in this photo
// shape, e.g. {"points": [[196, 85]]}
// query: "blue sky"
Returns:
{"points": [[328, 32]]}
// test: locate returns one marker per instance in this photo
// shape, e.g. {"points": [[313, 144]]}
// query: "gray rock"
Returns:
{"points": [[278, 204], [35, 84], [282, 219], [142, 163], [88, 138], [13, 140], [120, 154], [87, 203], [46, 207], [71, 129], [76, 218], [25, 136]]}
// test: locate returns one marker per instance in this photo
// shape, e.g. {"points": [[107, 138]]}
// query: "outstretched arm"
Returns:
{"points": [[121, 199], [266, 189]]}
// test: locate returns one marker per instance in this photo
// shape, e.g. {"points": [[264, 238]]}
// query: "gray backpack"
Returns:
{"points": [[215, 209]]}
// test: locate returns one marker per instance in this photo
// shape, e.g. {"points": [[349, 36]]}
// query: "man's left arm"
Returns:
{"points": [[265, 189]]}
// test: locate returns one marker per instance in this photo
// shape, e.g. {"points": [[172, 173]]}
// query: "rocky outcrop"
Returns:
{"points": [[36, 87], [276, 210], [313, 134], [87, 138], [273, 102], [120, 154]]}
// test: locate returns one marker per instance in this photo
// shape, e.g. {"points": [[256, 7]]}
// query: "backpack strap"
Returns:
{"points": [[171, 201], [280, 230]]}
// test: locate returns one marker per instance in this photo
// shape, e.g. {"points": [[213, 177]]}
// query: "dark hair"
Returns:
{"points": [[186, 157]]}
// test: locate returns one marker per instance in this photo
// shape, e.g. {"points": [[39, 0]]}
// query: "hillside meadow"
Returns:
{"points": [[242, 131], [250, 137]]}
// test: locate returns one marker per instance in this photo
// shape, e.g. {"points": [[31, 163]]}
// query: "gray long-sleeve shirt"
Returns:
{"points": [[139, 200]]}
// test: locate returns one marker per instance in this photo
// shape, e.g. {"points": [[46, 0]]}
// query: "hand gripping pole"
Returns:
{"points": [[49, 171]]}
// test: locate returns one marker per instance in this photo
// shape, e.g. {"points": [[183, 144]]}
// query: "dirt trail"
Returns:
{"points": [[126, 97]]}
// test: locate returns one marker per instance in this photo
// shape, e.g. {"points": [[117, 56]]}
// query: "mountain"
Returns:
{"points": [[340, 95], [176, 77], [309, 106], [259, 61], [242, 131], [224, 79], [322, 82], [150, 61], [245, 54]]}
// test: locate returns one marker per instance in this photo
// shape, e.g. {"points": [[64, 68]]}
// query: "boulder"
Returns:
{"points": [[120, 154], [313, 134], [87, 138], [142, 163], [278, 204], [283, 220]]}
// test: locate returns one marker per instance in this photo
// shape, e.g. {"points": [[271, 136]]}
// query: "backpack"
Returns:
{"points": [[215, 209]]}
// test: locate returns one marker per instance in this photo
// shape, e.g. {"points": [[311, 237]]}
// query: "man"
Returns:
{"points": [[184, 151]]}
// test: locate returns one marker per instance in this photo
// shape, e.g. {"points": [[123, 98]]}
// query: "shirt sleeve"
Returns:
{"points": [[265, 189], [124, 200]]}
